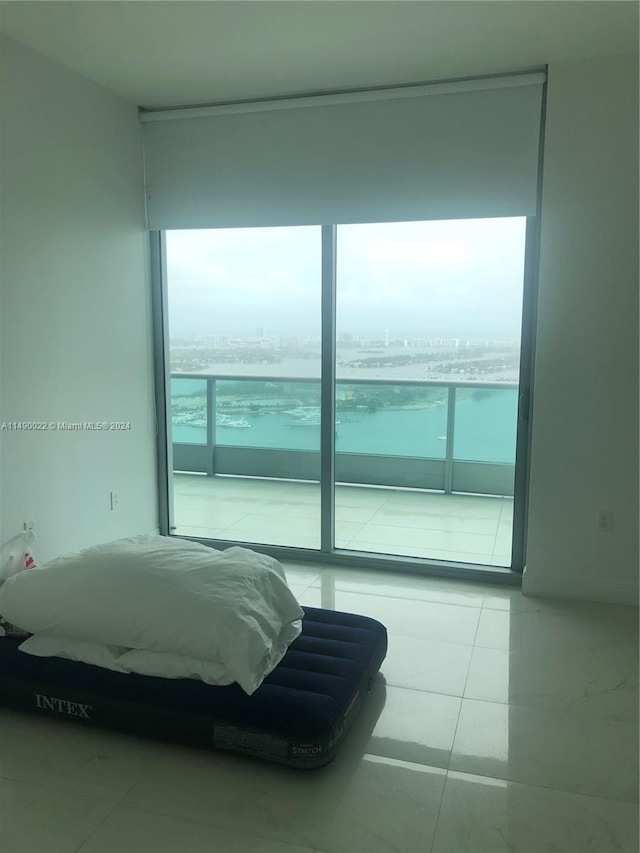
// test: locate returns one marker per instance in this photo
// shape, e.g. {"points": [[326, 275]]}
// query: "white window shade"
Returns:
{"points": [[436, 152]]}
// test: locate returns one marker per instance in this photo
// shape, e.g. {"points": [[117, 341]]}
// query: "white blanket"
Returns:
{"points": [[162, 595]]}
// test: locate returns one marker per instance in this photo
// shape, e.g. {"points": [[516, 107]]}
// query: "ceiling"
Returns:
{"points": [[177, 52]]}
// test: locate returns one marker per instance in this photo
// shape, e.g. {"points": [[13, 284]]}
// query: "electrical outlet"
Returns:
{"points": [[30, 525], [115, 499], [605, 520]]}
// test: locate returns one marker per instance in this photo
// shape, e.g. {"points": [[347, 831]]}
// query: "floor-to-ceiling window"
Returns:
{"points": [[348, 308], [426, 349]]}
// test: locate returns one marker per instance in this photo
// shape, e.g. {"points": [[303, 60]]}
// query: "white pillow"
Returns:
{"points": [[171, 665], [165, 595], [62, 647], [163, 664], [146, 662]]}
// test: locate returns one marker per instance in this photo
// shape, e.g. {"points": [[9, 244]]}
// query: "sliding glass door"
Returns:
{"points": [[349, 390], [429, 319], [244, 354]]}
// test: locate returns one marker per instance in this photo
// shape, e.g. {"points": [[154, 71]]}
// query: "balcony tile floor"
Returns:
{"points": [[498, 723], [462, 528]]}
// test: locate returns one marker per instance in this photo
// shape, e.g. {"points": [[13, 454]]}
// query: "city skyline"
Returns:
{"points": [[345, 339]]}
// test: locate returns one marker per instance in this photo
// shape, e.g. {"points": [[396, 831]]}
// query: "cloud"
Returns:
{"points": [[390, 275], [424, 255]]}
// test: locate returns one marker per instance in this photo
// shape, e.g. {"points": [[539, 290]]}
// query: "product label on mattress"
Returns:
{"points": [[63, 706], [352, 705], [226, 736], [345, 722], [301, 749]]}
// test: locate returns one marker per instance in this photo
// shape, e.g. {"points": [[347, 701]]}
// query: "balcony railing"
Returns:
{"points": [[447, 436]]}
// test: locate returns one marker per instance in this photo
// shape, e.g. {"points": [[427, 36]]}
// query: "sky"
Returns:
{"points": [[454, 278]]}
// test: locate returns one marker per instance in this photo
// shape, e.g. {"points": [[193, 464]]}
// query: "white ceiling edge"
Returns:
{"points": [[170, 53]]}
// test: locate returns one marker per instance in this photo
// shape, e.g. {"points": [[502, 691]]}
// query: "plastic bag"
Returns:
{"points": [[17, 555]]}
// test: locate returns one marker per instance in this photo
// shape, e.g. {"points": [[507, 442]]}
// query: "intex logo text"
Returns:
{"points": [[62, 706]]}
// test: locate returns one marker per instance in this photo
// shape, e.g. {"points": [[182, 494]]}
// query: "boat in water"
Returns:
{"points": [[233, 423]]}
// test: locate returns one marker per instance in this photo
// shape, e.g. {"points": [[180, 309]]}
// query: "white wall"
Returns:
{"points": [[75, 322], [585, 416]]}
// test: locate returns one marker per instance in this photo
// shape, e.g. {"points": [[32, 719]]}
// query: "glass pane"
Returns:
{"points": [[244, 312], [281, 415], [486, 424], [437, 308], [391, 420]]}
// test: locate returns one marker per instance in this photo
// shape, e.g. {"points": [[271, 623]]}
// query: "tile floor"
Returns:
{"points": [[465, 528], [498, 723]]}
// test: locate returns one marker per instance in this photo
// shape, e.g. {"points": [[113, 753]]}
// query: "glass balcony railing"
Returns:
{"points": [[448, 436]]}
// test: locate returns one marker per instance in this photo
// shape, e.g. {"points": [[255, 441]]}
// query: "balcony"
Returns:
{"points": [[423, 468]]}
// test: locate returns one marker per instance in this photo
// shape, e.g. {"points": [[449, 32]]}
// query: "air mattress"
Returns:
{"points": [[297, 717]]}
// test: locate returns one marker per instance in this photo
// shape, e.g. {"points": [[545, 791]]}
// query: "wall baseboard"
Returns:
{"points": [[579, 589]]}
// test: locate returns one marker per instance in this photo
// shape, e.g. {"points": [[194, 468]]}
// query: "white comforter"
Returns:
{"points": [[160, 606]]}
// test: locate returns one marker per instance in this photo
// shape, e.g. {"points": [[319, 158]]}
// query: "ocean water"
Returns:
{"points": [[485, 429]]}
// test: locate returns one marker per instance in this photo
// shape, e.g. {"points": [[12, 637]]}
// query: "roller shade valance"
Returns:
{"points": [[448, 154]]}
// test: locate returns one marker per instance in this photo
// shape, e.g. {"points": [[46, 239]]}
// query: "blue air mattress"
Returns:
{"points": [[298, 716]]}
